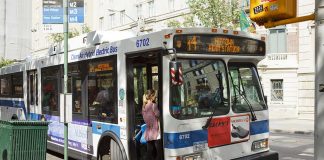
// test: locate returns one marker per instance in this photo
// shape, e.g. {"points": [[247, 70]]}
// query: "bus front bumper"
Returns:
{"points": [[269, 155]]}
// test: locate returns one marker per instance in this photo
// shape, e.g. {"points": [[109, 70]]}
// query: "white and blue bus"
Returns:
{"points": [[209, 95]]}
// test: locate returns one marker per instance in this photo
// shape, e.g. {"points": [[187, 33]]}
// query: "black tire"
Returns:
{"points": [[115, 152]]}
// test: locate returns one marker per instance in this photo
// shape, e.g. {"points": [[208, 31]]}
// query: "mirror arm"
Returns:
{"points": [[174, 51]]}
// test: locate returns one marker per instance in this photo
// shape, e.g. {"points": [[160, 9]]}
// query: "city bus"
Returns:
{"points": [[209, 94]]}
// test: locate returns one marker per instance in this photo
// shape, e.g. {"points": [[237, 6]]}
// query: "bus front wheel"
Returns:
{"points": [[110, 150]]}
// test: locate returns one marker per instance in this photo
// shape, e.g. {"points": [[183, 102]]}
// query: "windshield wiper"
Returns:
{"points": [[218, 96], [242, 94]]}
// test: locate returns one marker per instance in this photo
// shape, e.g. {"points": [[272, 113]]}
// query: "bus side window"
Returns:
{"points": [[5, 86], [102, 91], [50, 90]]}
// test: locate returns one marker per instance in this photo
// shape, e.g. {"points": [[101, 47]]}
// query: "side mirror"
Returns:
{"points": [[176, 80], [176, 75]]}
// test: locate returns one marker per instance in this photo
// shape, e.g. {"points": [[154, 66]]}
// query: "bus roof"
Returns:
{"points": [[127, 43]]}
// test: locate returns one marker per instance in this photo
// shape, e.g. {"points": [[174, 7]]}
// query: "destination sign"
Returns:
{"points": [[219, 44]]}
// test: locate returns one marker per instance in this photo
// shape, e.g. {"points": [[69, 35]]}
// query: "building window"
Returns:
{"points": [[246, 3], [277, 41], [151, 9], [101, 19], [139, 10], [112, 20], [171, 5], [277, 90], [122, 17]]}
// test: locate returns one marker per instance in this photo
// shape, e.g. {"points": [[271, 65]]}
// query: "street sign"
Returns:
{"points": [[52, 28], [263, 11], [53, 11], [76, 11]]}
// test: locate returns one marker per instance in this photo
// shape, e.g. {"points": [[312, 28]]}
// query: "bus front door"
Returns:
{"points": [[143, 74]]}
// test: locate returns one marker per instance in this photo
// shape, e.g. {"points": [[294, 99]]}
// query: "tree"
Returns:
{"points": [[58, 37], [174, 23], [85, 29], [5, 62], [212, 13], [188, 21]]}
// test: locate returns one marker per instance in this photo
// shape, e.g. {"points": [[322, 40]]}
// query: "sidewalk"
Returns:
{"points": [[295, 126]]}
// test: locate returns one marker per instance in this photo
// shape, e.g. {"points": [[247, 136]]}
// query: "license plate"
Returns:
{"points": [[199, 146]]}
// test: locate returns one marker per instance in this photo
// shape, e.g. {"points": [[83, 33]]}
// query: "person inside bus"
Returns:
{"points": [[104, 104], [151, 115], [203, 102], [50, 99]]}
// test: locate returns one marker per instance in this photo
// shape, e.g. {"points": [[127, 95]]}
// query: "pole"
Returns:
{"points": [[319, 80], [289, 21], [66, 37], [5, 30]]}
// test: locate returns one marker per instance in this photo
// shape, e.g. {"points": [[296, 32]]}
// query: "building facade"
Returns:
{"points": [[15, 29], [306, 61], [288, 71]]}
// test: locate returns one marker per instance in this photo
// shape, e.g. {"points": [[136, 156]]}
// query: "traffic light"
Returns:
{"points": [[264, 11]]}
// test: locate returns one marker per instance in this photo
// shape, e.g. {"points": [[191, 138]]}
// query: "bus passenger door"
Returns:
{"points": [[32, 92], [142, 74]]}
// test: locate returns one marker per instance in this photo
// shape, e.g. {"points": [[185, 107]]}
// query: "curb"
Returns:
{"points": [[292, 132]]}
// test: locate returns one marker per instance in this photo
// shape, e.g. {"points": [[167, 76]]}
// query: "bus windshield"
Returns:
{"points": [[203, 92], [245, 84]]}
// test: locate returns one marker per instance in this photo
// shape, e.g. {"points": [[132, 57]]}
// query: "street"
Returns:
{"points": [[53, 156], [293, 146], [289, 146]]}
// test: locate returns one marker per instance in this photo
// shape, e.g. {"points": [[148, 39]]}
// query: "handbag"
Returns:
{"points": [[142, 139]]}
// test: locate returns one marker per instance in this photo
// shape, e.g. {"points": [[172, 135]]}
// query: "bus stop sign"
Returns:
{"points": [[262, 11]]}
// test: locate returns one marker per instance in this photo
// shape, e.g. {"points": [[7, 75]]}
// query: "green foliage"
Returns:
{"points": [[85, 29], [174, 23], [189, 20], [58, 37], [211, 13], [5, 62]]}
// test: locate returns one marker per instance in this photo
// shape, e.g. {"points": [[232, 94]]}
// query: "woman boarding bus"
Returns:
{"points": [[209, 96]]}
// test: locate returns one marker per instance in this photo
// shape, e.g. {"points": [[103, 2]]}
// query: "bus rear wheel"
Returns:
{"points": [[111, 151]]}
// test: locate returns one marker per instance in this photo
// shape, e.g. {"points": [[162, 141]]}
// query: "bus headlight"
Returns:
{"points": [[196, 156], [261, 144]]}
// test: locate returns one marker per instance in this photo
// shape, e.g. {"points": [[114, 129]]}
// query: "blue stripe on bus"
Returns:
{"points": [[99, 128], [187, 139], [259, 127], [14, 103], [34, 116], [184, 139]]}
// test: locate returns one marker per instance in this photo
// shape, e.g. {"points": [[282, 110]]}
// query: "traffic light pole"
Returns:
{"points": [[319, 81], [66, 37], [271, 24]]}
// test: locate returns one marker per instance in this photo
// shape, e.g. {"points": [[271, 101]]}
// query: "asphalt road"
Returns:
{"points": [[289, 146], [293, 146], [53, 156]]}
